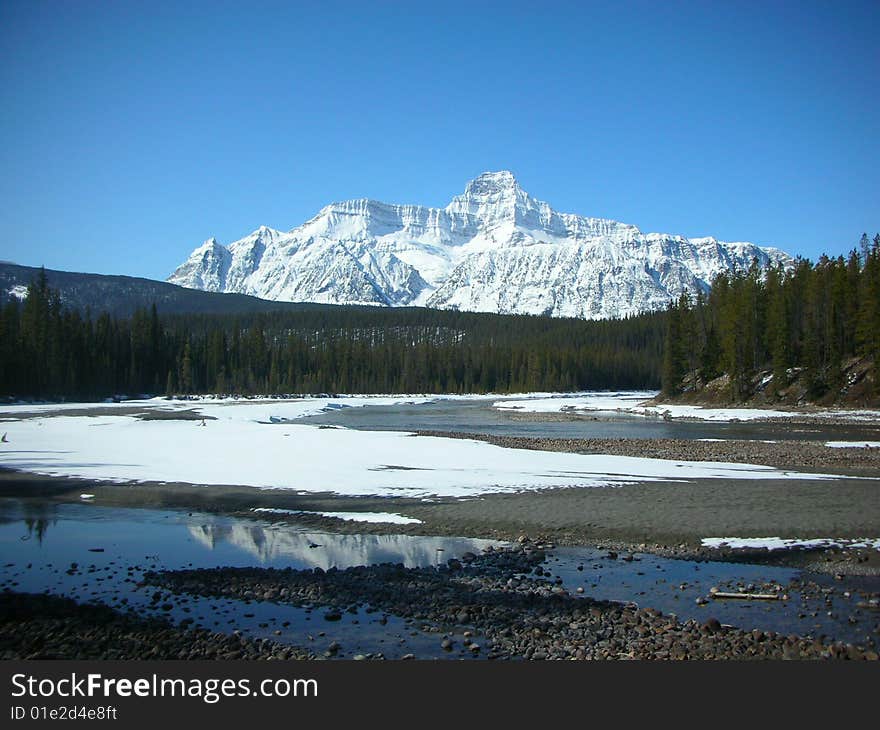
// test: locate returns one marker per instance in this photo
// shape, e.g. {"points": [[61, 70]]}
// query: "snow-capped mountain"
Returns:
{"points": [[492, 249]]}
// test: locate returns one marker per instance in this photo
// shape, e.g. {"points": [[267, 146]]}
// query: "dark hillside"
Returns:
{"points": [[121, 296]]}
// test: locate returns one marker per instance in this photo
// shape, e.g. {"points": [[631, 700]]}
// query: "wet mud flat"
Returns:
{"points": [[672, 518]]}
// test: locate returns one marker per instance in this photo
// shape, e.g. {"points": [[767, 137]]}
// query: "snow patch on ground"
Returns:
{"points": [[778, 543], [244, 447], [294, 406], [287, 408], [19, 291], [853, 444], [589, 401], [282, 411], [635, 403], [381, 517], [724, 441]]}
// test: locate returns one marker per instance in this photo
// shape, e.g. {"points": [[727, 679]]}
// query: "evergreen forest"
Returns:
{"points": [[809, 324], [760, 329], [52, 352]]}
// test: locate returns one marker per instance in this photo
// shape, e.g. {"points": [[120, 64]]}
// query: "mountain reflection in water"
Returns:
{"points": [[273, 543], [175, 539]]}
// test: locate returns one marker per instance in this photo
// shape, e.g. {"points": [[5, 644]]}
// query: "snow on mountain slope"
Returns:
{"points": [[494, 248]]}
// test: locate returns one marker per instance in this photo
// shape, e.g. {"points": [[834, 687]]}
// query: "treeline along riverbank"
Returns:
{"points": [[50, 351], [810, 333]]}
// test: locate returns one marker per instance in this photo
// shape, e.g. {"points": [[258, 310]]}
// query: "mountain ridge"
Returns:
{"points": [[121, 295], [493, 248]]}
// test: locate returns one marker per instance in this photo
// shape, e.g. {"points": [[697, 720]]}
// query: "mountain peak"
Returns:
{"points": [[265, 232], [492, 183], [494, 248]]}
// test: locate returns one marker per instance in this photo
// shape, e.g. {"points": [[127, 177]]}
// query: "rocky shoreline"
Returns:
{"points": [[503, 605], [39, 626]]}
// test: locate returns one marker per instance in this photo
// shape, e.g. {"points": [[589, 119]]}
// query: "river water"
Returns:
{"points": [[478, 416], [112, 547]]}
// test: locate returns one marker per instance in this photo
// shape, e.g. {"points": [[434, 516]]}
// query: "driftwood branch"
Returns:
{"points": [[748, 596]]}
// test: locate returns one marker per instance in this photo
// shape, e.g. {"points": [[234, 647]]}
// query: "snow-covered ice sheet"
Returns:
{"points": [[244, 447], [778, 543], [636, 403], [374, 517]]}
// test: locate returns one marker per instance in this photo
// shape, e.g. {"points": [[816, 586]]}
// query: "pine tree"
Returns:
{"points": [[777, 327], [186, 370], [673, 358]]}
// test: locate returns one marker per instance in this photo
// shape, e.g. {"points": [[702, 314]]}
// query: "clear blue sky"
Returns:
{"points": [[132, 131]]}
